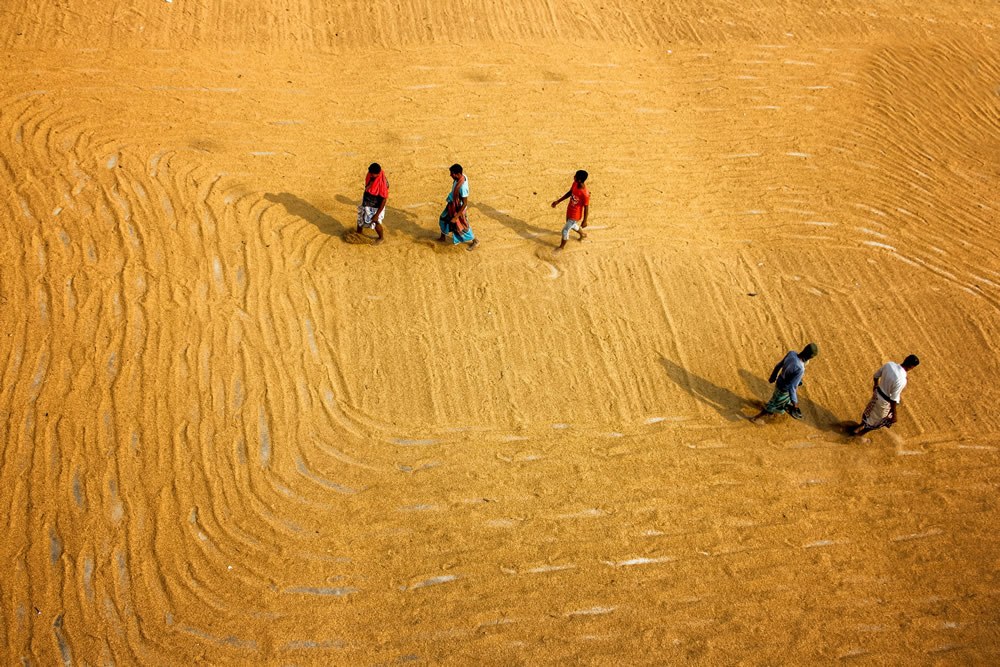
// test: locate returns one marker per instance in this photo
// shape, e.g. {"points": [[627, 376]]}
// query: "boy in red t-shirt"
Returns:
{"points": [[578, 209]]}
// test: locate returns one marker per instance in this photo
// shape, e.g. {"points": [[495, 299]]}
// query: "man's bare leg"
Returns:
{"points": [[381, 234]]}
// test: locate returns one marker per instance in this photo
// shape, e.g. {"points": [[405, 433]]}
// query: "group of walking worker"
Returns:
{"points": [[881, 411], [454, 219], [888, 381]]}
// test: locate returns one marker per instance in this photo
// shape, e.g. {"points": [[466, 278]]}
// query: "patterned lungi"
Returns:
{"points": [[366, 216], [780, 400], [878, 413], [462, 232]]}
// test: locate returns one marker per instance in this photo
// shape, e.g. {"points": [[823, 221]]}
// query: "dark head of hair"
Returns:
{"points": [[808, 352], [911, 361], [375, 168], [581, 176], [456, 169]]}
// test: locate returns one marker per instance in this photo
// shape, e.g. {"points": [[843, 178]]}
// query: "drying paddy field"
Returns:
{"points": [[233, 433]]}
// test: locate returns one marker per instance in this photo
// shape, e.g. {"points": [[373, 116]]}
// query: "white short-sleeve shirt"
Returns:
{"points": [[891, 380]]}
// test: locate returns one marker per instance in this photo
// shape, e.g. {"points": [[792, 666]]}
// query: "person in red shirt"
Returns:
{"points": [[578, 209], [372, 208]]}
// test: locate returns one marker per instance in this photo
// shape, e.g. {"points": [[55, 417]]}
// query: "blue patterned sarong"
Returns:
{"points": [[780, 400], [449, 227]]}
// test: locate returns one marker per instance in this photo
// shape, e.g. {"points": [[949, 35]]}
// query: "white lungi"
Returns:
{"points": [[366, 216]]}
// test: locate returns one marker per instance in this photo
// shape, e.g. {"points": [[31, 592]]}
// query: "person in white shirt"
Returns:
{"points": [[887, 386]]}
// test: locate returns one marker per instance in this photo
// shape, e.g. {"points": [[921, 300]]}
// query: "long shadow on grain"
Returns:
{"points": [[300, 208], [396, 220], [812, 412], [725, 402], [520, 227]]}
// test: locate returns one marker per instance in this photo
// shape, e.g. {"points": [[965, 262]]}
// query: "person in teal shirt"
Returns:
{"points": [[454, 218]]}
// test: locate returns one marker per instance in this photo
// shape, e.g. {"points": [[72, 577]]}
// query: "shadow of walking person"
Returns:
{"points": [[396, 219], [519, 227], [814, 413], [725, 402], [300, 208]]}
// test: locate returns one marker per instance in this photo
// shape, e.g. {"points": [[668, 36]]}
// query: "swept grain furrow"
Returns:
{"points": [[230, 436], [310, 27]]}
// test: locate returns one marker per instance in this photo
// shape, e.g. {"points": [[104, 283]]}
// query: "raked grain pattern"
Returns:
{"points": [[229, 435]]}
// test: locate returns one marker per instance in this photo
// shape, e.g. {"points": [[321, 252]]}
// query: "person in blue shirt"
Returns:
{"points": [[454, 218], [786, 378]]}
